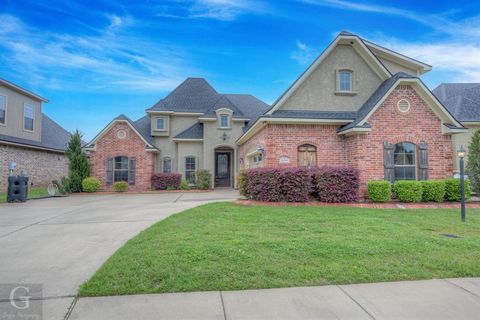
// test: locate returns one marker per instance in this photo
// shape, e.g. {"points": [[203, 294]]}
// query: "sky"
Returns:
{"points": [[97, 59]]}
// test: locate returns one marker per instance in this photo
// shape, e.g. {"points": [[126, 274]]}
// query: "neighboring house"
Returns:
{"points": [[463, 101], [29, 138], [359, 105], [192, 128]]}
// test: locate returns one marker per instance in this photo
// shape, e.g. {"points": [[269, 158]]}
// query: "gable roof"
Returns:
{"points": [[24, 91], [194, 132], [54, 137], [461, 99]]}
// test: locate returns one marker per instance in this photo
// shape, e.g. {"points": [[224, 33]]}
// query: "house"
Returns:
{"points": [[463, 101], [192, 128], [29, 138], [359, 105]]}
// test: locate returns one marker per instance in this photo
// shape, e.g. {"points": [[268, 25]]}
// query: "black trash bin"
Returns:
{"points": [[17, 189]]}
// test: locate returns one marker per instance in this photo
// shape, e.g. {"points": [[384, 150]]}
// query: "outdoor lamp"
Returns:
{"points": [[461, 152]]}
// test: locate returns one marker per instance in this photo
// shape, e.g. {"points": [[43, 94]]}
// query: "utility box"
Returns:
{"points": [[17, 189]]}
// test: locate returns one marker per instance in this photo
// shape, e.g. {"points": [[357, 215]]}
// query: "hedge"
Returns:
{"points": [[242, 183], [203, 179], [408, 190], [162, 181], [452, 189], [120, 186], [90, 184], [295, 184], [433, 190], [379, 191], [336, 184]]}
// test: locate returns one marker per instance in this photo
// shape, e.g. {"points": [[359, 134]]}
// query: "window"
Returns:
{"points": [[167, 165], [345, 80], [224, 121], [403, 105], [28, 117], [160, 124], [190, 167], [307, 156], [3, 109], [120, 169], [404, 158]]}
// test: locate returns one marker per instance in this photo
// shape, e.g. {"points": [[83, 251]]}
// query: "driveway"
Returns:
{"points": [[60, 242]]}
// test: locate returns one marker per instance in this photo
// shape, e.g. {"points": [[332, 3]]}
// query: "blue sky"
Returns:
{"points": [[96, 59]]}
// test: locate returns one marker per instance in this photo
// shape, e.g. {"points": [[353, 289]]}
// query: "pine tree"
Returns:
{"points": [[79, 167], [473, 164]]}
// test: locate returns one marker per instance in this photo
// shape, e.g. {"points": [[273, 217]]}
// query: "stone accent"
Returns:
{"points": [[363, 151], [110, 145], [41, 166]]}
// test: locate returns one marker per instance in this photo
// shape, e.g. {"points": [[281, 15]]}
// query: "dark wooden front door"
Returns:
{"points": [[222, 169]]}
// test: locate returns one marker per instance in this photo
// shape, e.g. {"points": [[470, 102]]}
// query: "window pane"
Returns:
{"points": [[3, 108], [29, 115], [160, 123], [167, 165], [190, 169], [345, 80], [399, 158], [28, 124], [410, 173], [224, 121]]}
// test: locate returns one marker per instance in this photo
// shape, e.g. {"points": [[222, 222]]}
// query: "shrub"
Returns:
{"points": [[90, 184], [78, 167], [379, 191], [433, 190], [171, 188], [242, 183], [452, 189], [473, 163], [295, 184], [120, 186], [184, 185], [408, 190], [336, 184], [63, 185], [161, 181], [203, 179]]}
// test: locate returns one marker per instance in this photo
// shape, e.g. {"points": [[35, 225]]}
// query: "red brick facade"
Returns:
{"points": [[110, 145], [362, 151]]}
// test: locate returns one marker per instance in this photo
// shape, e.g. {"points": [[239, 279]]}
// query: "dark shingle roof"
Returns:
{"points": [[140, 125], [194, 132], [54, 137], [308, 114], [461, 99]]}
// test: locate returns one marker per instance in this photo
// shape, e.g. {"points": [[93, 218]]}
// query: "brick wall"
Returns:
{"points": [[41, 166], [131, 146]]}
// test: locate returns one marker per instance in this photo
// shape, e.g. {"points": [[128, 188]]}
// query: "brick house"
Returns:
{"points": [[29, 138], [359, 105]]}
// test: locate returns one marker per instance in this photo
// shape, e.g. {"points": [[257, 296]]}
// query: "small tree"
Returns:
{"points": [[79, 167], [473, 164]]}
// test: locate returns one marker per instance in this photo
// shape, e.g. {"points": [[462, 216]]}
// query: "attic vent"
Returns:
{"points": [[403, 105]]}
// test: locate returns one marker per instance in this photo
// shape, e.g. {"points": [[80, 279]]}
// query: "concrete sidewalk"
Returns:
{"points": [[429, 299]]}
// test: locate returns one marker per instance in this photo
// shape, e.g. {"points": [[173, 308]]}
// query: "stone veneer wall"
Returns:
{"points": [[41, 166]]}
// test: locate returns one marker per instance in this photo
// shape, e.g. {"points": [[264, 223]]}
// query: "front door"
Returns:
{"points": [[222, 169]]}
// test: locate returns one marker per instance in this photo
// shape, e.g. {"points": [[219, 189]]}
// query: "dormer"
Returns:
{"points": [[224, 118]]}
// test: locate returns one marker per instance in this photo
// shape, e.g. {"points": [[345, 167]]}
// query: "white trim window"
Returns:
{"points": [[345, 80], [28, 117], [167, 165], [404, 158], [190, 168], [3, 110], [120, 169], [160, 124], [224, 121]]}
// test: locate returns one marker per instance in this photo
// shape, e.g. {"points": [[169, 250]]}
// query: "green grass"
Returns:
{"points": [[32, 194], [224, 246]]}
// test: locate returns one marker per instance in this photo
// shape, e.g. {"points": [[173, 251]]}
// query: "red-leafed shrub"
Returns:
{"points": [[162, 181], [336, 184]]}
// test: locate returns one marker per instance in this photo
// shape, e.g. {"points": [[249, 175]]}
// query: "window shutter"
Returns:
{"points": [[109, 179], [422, 161], [131, 170], [388, 162]]}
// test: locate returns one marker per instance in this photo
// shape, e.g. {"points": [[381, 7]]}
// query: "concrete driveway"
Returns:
{"points": [[60, 242]]}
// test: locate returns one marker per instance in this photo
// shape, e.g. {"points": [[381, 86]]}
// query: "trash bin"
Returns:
{"points": [[17, 189]]}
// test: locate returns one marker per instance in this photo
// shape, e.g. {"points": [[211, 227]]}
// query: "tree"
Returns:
{"points": [[473, 164], [79, 167]]}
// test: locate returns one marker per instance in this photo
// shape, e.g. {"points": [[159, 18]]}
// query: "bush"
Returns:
{"points": [[433, 190], [452, 189], [203, 179], [161, 181], [379, 191], [78, 167], [473, 163], [63, 185], [120, 186], [90, 184], [295, 184], [408, 190], [184, 185], [242, 183], [336, 184]]}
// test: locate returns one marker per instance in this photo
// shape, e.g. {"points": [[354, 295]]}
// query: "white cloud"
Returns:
{"points": [[304, 54]]}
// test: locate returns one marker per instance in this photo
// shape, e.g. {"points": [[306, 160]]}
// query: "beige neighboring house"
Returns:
{"points": [[29, 138], [463, 101]]}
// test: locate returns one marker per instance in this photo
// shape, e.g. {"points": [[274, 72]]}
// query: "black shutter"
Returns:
{"points": [[131, 170], [109, 179], [422, 161], [388, 162]]}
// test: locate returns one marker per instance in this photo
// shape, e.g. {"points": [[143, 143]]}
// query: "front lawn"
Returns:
{"points": [[32, 194], [225, 246]]}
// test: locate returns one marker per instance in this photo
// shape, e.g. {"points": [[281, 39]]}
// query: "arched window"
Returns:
{"points": [[307, 156], [345, 80], [120, 169], [405, 161]]}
